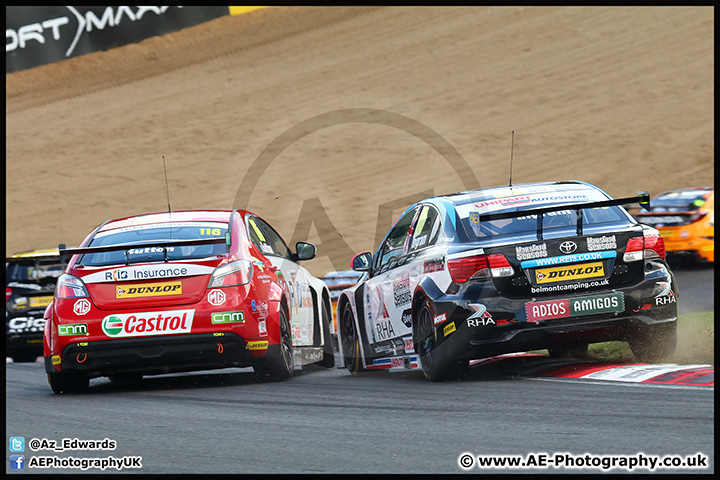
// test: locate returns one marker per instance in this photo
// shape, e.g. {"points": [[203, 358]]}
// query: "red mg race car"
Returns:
{"points": [[182, 291]]}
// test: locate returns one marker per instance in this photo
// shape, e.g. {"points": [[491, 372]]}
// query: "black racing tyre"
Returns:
{"points": [[654, 343], [125, 377], [434, 366], [24, 358], [565, 352], [328, 360], [278, 363], [68, 382], [350, 340]]}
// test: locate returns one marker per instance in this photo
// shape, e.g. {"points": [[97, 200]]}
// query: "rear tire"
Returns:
{"points": [[68, 382], [434, 366], [565, 352], [652, 344], [24, 358], [350, 340], [279, 365]]}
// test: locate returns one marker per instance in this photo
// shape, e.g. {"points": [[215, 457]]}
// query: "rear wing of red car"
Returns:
{"points": [[63, 250], [643, 198]]}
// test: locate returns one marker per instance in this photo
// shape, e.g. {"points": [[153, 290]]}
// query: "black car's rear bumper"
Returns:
{"points": [[506, 326], [153, 355]]}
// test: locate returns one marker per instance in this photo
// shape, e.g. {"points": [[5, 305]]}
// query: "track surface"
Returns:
{"points": [[622, 98], [327, 421]]}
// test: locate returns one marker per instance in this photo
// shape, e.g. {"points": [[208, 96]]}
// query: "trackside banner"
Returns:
{"points": [[37, 36]]}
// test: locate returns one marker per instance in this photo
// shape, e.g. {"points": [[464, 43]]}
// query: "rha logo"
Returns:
{"points": [[148, 323]]}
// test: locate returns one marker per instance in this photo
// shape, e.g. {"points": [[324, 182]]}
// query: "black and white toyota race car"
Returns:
{"points": [[497, 270], [30, 279]]}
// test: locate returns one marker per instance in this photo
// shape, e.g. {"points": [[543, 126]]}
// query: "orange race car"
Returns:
{"points": [[686, 220]]}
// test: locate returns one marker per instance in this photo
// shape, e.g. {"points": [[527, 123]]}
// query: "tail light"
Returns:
{"points": [[650, 245], [697, 217], [69, 286], [8, 294], [478, 266], [235, 273]]}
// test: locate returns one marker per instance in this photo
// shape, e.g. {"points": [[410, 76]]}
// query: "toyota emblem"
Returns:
{"points": [[568, 247]]}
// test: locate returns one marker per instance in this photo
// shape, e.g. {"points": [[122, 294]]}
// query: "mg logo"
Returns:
{"points": [[82, 306], [568, 247], [216, 297]]}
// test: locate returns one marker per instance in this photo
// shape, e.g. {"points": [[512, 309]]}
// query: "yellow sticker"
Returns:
{"points": [[56, 360], [449, 328], [148, 290], [569, 272], [40, 301], [261, 345]]}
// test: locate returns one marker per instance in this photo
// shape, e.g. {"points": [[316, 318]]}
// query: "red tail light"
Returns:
{"points": [[650, 245], [8, 293], [477, 266]]}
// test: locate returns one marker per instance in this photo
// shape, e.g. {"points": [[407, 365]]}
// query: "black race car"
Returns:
{"points": [[552, 266], [30, 279]]}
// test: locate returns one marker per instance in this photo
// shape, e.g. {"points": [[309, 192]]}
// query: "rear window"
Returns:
{"points": [[679, 201], [41, 271], [560, 221], [157, 233]]}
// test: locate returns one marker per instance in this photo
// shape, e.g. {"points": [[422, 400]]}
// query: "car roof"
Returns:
{"points": [[168, 217], [689, 189], [517, 189]]}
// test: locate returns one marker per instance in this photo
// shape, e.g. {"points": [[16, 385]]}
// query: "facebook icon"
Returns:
{"points": [[17, 462]]}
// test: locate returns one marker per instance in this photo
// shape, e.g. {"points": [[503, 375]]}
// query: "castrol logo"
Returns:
{"points": [[148, 323]]}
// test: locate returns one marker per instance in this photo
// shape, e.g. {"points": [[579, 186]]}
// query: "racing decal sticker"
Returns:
{"points": [[563, 259], [73, 329], [262, 328], [146, 272], [439, 319], [40, 301], [258, 345], [148, 290], [666, 294], [430, 266], [569, 272], [564, 307], [228, 317], [531, 251], [401, 290], [25, 324], [601, 243], [82, 306], [216, 297], [480, 317], [148, 323], [384, 329], [449, 328]]}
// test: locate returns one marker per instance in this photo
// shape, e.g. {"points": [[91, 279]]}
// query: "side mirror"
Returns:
{"points": [[305, 250], [362, 262]]}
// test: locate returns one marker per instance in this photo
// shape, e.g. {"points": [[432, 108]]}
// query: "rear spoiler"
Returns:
{"points": [[175, 243], [643, 199], [112, 248]]}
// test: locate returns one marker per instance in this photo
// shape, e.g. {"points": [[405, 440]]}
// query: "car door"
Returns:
{"points": [[301, 304], [387, 291]]}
